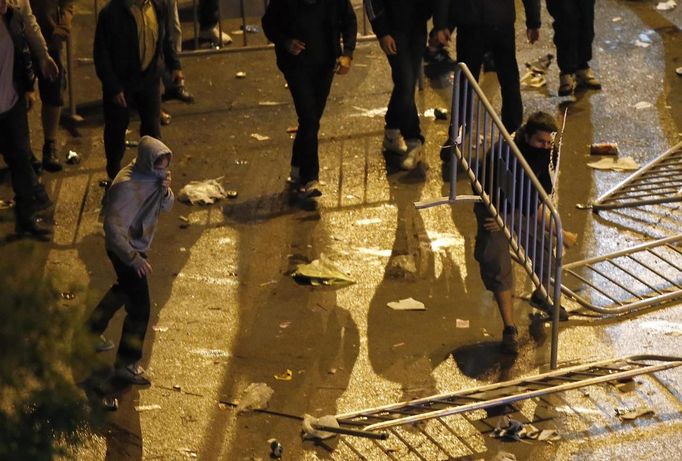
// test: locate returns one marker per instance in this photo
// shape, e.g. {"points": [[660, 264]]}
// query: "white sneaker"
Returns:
{"points": [[213, 34], [394, 142], [414, 154]]}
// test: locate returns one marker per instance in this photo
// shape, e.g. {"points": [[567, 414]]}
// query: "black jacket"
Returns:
{"points": [[23, 75], [452, 13], [280, 25], [390, 16], [117, 53]]}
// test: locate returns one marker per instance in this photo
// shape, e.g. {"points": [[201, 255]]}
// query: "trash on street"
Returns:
{"points": [[321, 272], [310, 432], [203, 192], [140, 408], [630, 414], [643, 105], [459, 323], [619, 164], [72, 158], [287, 375], [240, 74], [259, 137], [604, 148], [255, 397], [666, 6], [408, 304]]}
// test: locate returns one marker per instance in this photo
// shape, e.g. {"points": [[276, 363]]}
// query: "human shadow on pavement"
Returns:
{"points": [[282, 326]]}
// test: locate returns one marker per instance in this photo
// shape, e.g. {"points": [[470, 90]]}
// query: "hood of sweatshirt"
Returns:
{"points": [[148, 151]]}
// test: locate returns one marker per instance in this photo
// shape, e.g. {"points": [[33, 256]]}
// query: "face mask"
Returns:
{"points": [[536, 152]]}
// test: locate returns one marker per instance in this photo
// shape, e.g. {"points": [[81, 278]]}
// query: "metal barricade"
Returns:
{"points": [[659, 181], [628, 280], [504, 183]]}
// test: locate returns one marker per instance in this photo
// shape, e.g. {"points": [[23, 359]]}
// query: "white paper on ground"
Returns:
{"points": [[619, 164], [408, 304]]}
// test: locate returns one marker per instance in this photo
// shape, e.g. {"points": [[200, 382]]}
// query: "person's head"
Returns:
{"points": [[539, 130], [3, 7], [153, 157]]}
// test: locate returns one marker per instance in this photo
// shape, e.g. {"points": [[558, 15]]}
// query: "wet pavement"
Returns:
{"points": [[226, 312]]}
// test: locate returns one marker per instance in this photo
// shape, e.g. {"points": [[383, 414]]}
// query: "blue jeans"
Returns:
{"points": [[402, 109]]}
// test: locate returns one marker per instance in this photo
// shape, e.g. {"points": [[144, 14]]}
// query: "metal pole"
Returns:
{"points": [[242, 9], [220, 26], [195, 24], [73, 117]]}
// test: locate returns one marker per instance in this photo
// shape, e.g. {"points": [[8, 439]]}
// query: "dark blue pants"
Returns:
{"points": [[147, 101], [402, 109], [131, 291], [573, 33], [473, 42], [309, 85]]}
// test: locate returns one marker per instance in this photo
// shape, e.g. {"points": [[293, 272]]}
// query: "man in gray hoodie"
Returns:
{"points": [[137, 195]]}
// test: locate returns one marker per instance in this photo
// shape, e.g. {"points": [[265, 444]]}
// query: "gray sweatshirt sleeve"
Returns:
{"points": [[35, 39], [118, 217], [167, 201]]}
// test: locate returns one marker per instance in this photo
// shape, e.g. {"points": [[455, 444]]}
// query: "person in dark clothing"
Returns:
{"points": [[208, 23], [535, 141], [54, 18], [136, 197], [573, 35], [308, 36], [132, 47], [488, 26], [16, 97], [400, 27]]}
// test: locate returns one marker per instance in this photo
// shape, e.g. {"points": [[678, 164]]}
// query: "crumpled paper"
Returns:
{"points": [[510, 429], [255, 397], [202, 192], [615, 164], [321, 272], [309, 431]]}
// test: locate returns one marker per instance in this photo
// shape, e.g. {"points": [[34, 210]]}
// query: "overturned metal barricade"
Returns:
{"points": [[659, 181], [485, 150], [441, 411], [628, 280]]}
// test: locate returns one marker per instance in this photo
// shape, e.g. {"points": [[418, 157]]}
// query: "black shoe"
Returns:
{"points": [[510, 343], [51, 162], [41, 201], [543, 304], [36, 164], [132, 374], [32, 227], [311, 189], [179, 93], [102, 344]]}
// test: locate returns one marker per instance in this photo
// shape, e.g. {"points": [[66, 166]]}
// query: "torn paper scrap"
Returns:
{"points": [[619, 164], [642, 44], [202, 192], [643, 105], [408, 304], [629, 414], [147, 407], [259, 137], [459, 323], [287, 375]]}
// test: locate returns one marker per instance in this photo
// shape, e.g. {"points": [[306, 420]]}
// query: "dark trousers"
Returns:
{"points": [[309, 85], [402, 109], [473, 42], [208, 14], [131, 291], [15, 147], [147, 101], [573, 33]]}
